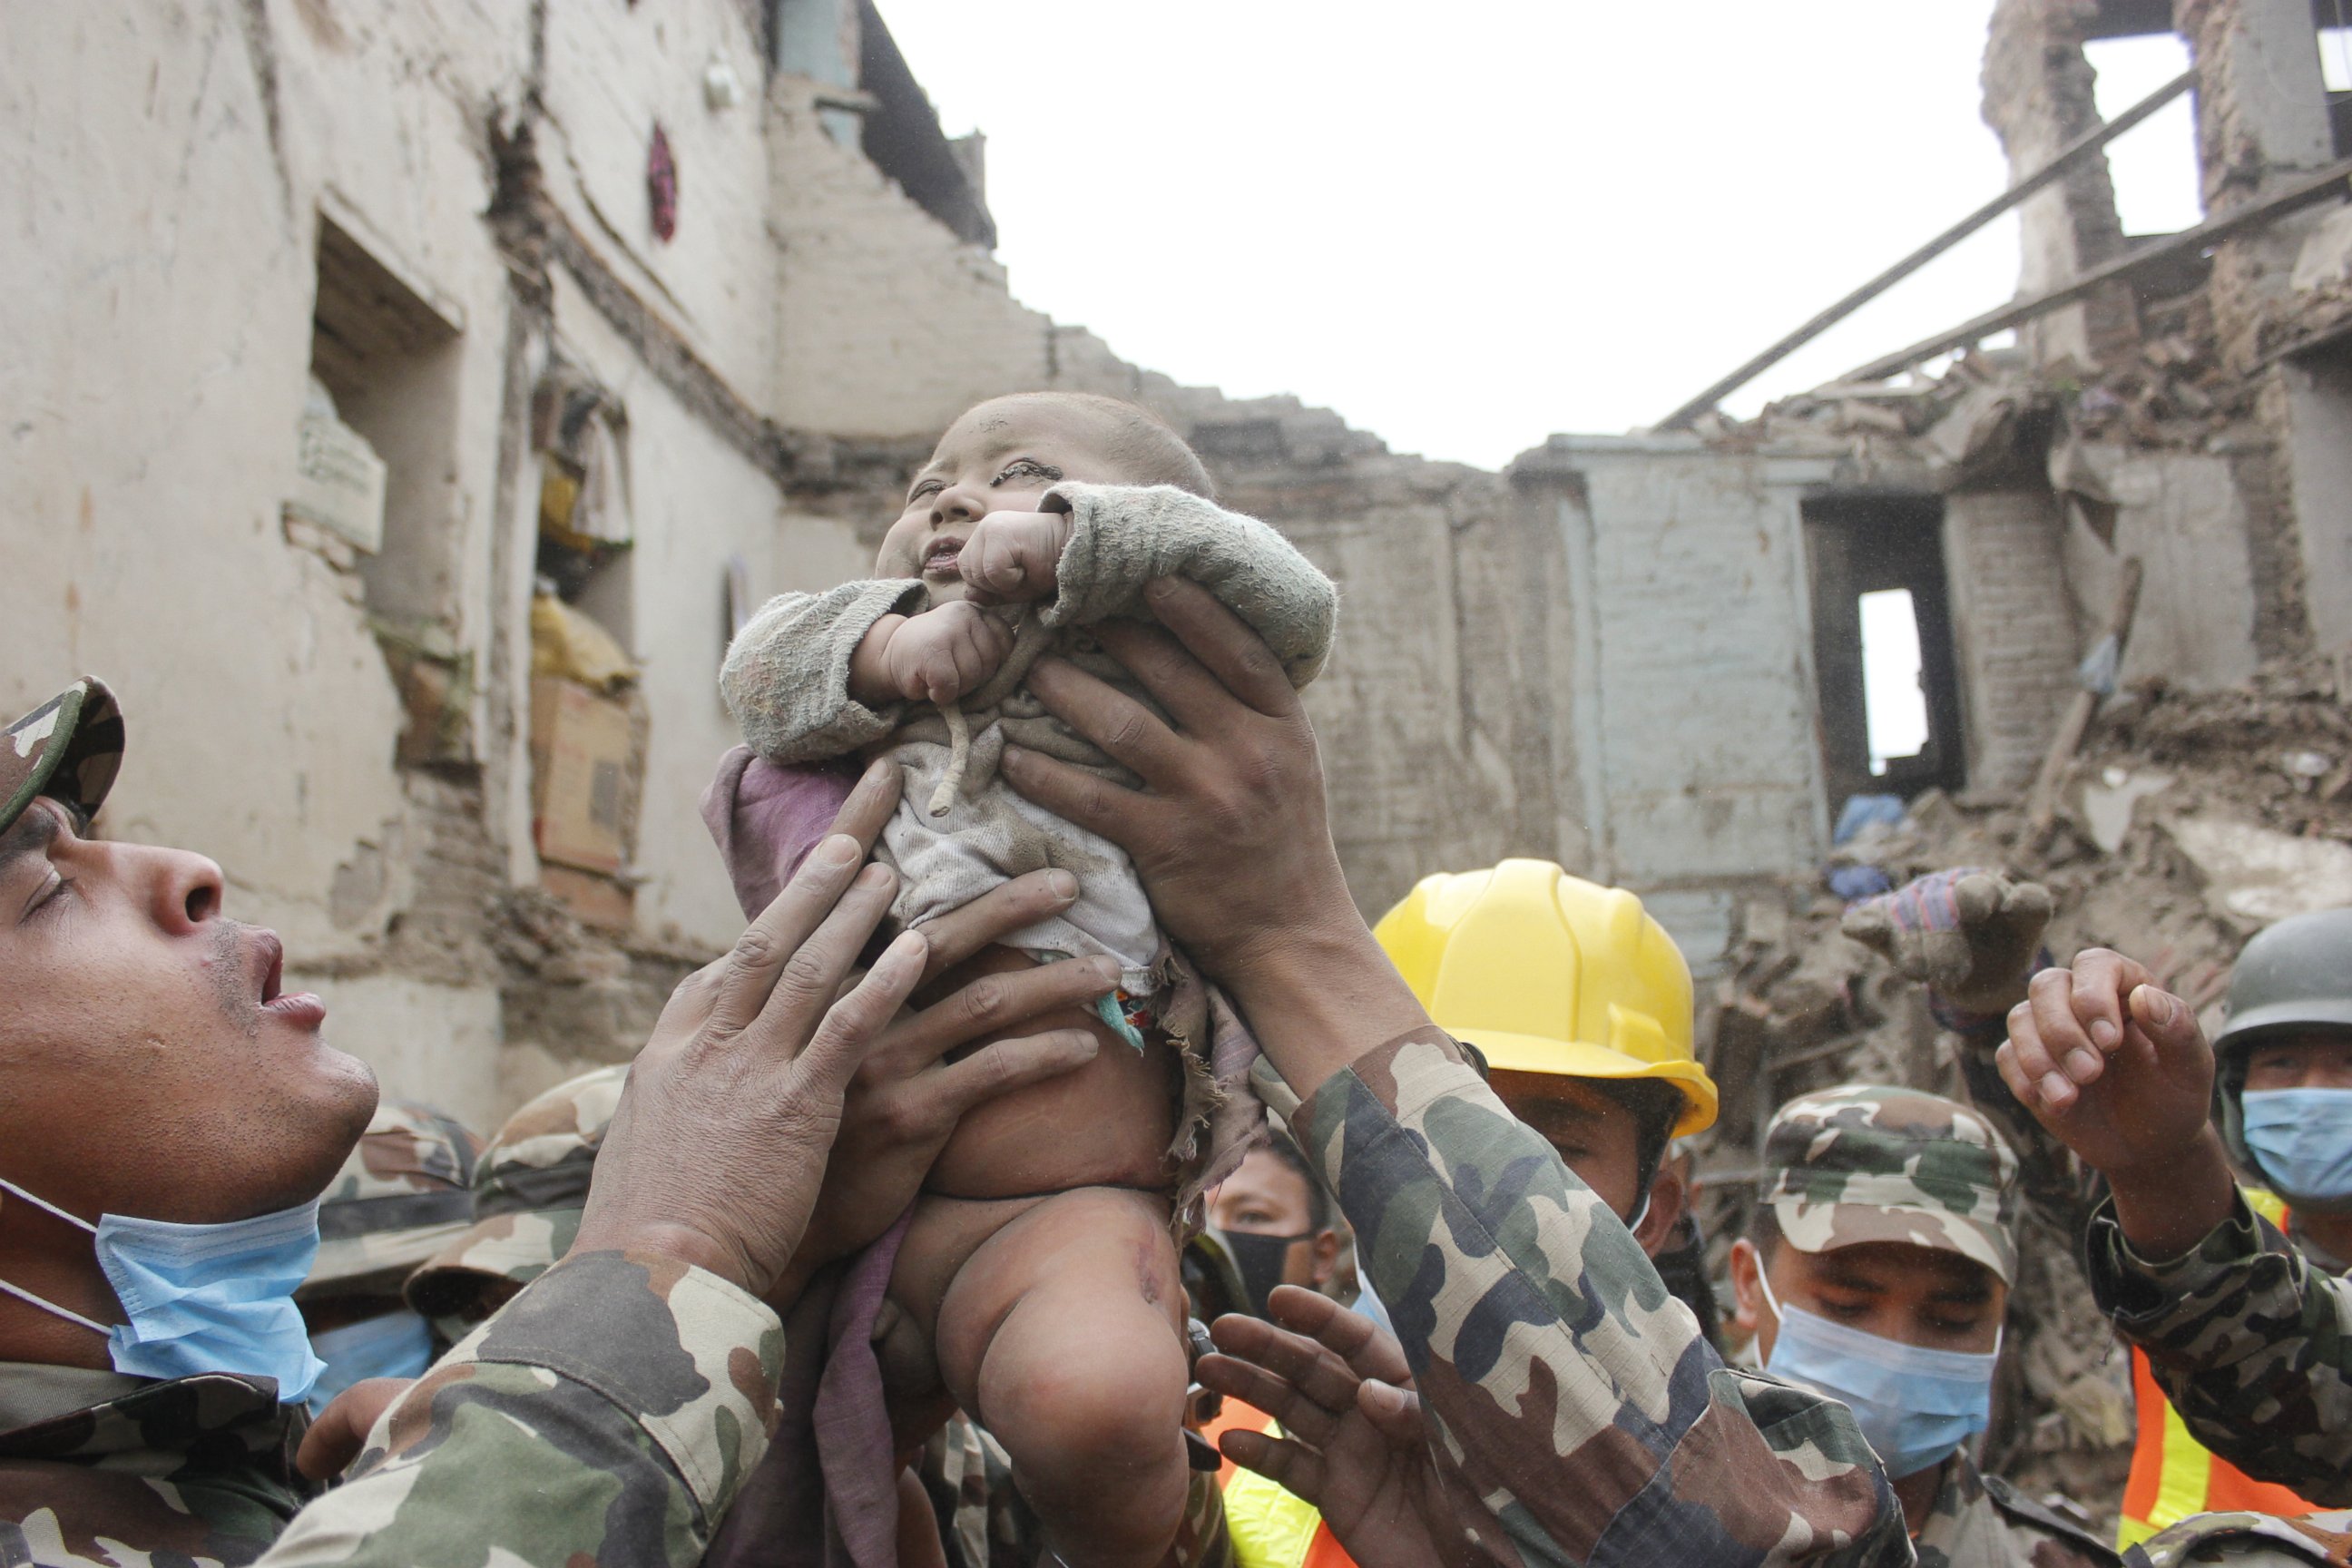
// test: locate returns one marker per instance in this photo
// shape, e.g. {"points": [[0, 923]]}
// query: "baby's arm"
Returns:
{"points": [[787, 675], [936, 655], [1114, 539]]}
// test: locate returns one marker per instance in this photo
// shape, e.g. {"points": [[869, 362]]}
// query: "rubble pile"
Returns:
{"points": [[2188, 821]]}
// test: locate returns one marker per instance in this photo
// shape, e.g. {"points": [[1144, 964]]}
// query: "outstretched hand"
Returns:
{"points": [[2115, 1068], [1353, 1443], [1971, 934]]}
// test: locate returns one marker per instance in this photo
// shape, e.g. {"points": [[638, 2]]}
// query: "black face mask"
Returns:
{"points": [[1258, 1259]]}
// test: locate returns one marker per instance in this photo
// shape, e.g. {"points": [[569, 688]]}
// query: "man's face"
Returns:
{"points": [[1914, 1294], [1599, 1139], [149, 1063], [1003, 456], [1266, 1197], [2318, 1058]]}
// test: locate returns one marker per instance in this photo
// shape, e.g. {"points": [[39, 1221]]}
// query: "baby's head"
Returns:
{"points": [[1005, 454]]}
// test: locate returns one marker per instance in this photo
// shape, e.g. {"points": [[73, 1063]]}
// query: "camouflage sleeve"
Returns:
{"points": [[606, 1416], [2252, 1344], [1123, 536], [1580, 1419]]}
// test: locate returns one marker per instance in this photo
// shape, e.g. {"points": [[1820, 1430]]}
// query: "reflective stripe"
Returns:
{"points": [[2173, 1475]]}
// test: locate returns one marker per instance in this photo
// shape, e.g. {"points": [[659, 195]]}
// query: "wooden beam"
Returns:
{"points": [[2211, 232], [2090, 141], [2042, 808]]}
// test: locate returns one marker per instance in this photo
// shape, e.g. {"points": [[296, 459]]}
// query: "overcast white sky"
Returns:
{"points": [[1467, 225]]}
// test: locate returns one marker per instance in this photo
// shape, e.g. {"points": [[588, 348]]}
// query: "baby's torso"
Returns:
{"points": [[1107, 1123]]}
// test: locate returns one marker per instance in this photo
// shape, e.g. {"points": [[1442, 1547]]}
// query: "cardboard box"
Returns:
{"points": [[593, 900], [580, 756]]}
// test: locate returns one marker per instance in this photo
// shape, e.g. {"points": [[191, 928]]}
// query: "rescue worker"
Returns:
{"points": [[2234, 1295], [1274, 1218], [1580, 1004], [1877, 1270], [406, 1190], [1975, 937], [170, 1116]]}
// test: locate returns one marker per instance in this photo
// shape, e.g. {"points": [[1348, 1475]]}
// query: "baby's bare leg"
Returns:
{"points": [[1062, 1336]]}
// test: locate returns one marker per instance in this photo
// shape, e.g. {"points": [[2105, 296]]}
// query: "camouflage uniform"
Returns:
{"points": [[1579, 1415], [1864, 1163], [194, 1471], [405, 1192], [94, 1465], [2254, 1540], [2248, 1341], [530, 1189]]}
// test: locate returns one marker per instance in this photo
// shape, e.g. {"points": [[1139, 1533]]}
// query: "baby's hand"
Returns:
{"points": [[946, 651], [1014, 555]]}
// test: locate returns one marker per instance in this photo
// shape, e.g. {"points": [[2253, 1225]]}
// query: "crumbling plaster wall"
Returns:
{"points": [[2180, 513], [1697, 765], [159, 325], [887, 324]]}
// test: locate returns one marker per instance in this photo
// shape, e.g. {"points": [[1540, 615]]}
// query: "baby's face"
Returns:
{"points": [[1003, 456]]}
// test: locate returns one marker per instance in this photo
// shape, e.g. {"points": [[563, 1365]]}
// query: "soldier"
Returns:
{"points": [[169, 1118], [1877, 1269], [2242, 1326], [1974, 936], [406, 1189], [1574, 1411]]}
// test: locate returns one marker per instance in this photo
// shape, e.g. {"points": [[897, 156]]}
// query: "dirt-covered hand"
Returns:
{"points": [[946, 651], [719, 1144], [1971, 934], [2112, 1065], [1352, 1440], [1016, 555]]}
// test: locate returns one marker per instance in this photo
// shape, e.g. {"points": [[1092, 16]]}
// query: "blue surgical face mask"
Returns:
{"points": [[2303, 1139], [202, 1298], [397, 1344], [1915, 1407]]}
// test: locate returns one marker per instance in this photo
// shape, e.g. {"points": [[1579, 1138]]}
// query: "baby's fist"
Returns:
{"points": [[1014, 555], [946, 651]]}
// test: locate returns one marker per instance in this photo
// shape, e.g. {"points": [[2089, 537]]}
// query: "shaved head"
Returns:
{"points": [[1143, 446]]}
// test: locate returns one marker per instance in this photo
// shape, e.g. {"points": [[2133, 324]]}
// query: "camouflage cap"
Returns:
{"points": [[406, 1192], [70, 748], [1861, 1163], [529, 1191]]}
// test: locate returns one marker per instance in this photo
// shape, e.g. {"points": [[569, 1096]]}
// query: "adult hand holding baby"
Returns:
{"points": [[1229, 831]]}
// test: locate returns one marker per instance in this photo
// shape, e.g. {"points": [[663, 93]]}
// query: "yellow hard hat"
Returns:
{"points": [[1548, 973]]}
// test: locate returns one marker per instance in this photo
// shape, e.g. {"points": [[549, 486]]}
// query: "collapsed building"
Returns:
{"points": [[407, 442], [408, 401]]}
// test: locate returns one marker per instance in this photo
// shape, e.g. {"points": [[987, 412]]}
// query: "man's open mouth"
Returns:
{"points": [[297, 1006]]}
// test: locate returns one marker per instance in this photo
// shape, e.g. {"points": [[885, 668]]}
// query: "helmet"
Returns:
{"points": [[2294, 975], [1548, 973]]}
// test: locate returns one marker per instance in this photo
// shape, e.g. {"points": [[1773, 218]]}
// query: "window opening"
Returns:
{"points": [[2158, 182], [1894, 700], [1883, 655]]}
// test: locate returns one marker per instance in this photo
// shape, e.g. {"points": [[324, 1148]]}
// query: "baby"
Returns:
{"points": [[1035, 1282]]}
